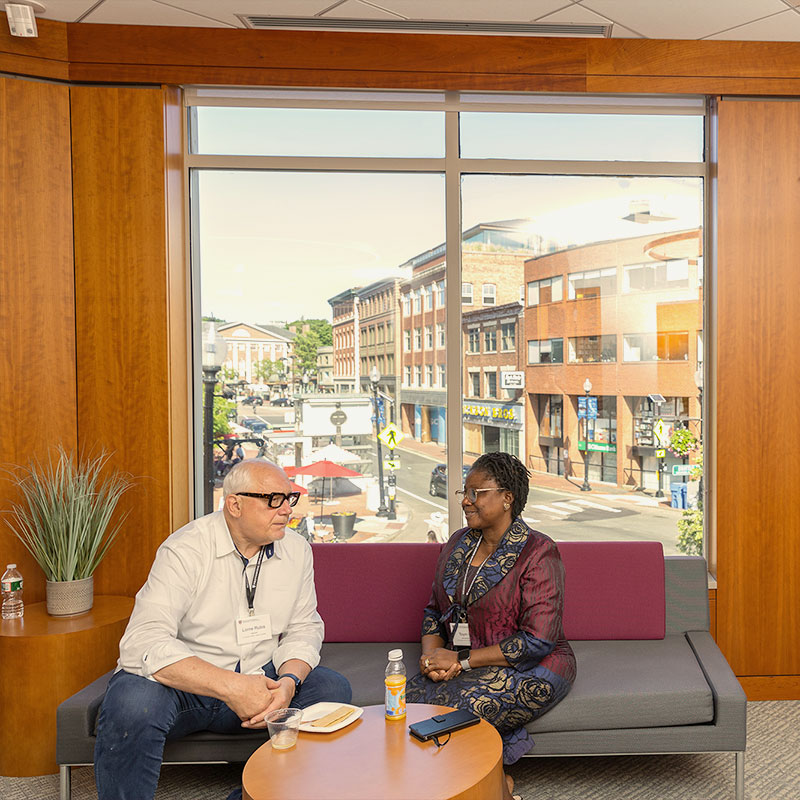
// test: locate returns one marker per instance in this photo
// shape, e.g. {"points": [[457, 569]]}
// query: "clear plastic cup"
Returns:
{"points": [[283, 725]]}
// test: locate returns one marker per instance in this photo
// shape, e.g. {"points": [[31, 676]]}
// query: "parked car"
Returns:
{"points": [[253, 400], [256, 424], [280, 401], [438, 486]]}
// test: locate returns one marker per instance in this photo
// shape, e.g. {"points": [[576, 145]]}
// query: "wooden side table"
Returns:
{"points": [[375, 758], [43, 661]]}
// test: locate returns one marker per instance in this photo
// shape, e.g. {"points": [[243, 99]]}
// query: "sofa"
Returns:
{"points": [[650, 677]]}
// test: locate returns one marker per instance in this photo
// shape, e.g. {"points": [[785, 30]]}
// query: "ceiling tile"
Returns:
{"points": [[777, 28], [352, 9], [574, 14], [683, 19], [226, 10], [621, 32], [485, 10], [148, 12], [65, 10]]}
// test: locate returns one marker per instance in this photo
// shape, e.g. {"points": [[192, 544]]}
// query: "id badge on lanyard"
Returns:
{"points": [[459, 633]]}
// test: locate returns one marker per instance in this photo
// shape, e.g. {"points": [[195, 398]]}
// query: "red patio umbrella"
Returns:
{"points": [[296, 487], [325, 469]]}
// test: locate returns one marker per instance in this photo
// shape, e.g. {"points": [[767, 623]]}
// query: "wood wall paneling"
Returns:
{"points": [[771, 687], [122, 315], [758, 372], [416, 61], [37, 321], [44, 56]]}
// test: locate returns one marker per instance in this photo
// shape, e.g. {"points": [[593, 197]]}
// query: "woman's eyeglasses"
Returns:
{"points": [[275, 499], [472, 494]]}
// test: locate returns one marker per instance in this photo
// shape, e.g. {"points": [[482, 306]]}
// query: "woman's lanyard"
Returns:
{"points": [[465, 590], [250, 591]]}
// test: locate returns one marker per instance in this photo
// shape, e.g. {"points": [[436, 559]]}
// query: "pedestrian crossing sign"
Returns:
{"points": [[391, 436], [392, 464]]}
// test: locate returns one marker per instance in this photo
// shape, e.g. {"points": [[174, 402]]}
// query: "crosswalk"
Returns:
{"points": [[561, 509]]}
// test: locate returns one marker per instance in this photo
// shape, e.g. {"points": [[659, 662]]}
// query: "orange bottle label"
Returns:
{"points": [[395, 696]]}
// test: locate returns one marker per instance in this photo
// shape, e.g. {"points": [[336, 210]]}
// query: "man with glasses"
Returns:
{"points": [[224, 630]]}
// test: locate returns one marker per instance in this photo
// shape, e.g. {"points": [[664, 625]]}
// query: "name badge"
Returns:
{"points": [[460, 634], [253, 629]]}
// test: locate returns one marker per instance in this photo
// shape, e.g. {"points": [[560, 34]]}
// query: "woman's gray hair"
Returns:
{"points": [[240, 475]]}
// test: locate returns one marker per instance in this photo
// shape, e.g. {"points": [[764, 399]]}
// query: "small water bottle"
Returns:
{"points": [[395, 686], [12, 593]]}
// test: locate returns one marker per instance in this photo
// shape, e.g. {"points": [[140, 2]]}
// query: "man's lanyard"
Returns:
{"points": [[250, 591]]}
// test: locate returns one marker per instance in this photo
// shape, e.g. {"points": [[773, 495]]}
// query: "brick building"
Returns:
{"points": [[627, 316], [492, 274], [379, 318], [346, 342], [494, 390]]}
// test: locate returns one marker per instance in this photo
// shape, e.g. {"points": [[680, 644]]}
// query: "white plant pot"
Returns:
{"points": [[68, 598]]}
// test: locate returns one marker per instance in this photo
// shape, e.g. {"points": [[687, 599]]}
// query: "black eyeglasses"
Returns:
{"points": [[275, 499]]}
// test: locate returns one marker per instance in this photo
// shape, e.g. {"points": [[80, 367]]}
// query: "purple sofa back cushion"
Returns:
{"points": [[376, 592], [613, 590], [373, 592]]}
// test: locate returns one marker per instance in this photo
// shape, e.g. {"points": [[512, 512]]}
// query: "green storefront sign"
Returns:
{"points": [[598, 447]]}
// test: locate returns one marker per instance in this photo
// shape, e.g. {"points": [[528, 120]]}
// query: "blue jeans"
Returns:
{"points": [[138, 716]]}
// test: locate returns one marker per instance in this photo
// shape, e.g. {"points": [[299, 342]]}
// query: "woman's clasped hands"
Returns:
{"points": [[440, 664]]}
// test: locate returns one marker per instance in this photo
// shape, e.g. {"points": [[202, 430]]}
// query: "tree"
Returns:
{"points": [[305, 345], [266, 371]]}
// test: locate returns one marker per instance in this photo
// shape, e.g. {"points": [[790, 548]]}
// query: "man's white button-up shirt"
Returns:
{"points": [[196, 591]]}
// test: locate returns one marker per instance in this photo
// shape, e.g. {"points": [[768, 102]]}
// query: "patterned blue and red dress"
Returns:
{"points": [[516, 602]]}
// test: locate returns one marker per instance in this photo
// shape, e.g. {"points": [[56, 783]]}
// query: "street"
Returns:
{"points": [[563, 515]]}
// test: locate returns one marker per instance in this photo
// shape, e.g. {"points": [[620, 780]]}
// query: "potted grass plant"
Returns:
{"points": [[64, 519]]}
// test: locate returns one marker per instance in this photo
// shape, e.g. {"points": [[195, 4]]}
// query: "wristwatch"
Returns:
{"points": [[297, 682], [463, 658]]}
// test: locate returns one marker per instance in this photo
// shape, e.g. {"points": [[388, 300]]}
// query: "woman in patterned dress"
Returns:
{"points": [[492, 637]]}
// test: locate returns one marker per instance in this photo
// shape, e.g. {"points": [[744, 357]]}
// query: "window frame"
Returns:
{"points": [[453, 167]]}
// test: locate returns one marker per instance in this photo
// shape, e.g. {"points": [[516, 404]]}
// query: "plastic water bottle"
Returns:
{"points": [[395, 686], [12, 593]]}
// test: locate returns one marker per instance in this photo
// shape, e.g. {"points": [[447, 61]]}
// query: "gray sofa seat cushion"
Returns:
{"points": [[632, 684]]}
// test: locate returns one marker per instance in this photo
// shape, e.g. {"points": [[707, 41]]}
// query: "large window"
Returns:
{"points": [[592, 283], [318, 229], [546, 351], [546, 290], [591, 349]]}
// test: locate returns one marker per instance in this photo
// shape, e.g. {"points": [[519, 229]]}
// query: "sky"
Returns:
{"points": [[274, 246]]}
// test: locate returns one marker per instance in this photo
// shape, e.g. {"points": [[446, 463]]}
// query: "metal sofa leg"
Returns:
{"points": [[740, 775], [65, 782]]}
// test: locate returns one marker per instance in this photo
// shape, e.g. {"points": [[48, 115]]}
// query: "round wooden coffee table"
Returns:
{"points": [[373, 758]]}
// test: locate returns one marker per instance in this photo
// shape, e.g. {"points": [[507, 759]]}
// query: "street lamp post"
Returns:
{"points": [[587, 387], [214, 352], [374, 377]]}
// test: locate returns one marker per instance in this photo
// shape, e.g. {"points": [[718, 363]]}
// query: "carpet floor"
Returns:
{"points": [[772, 772]]}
